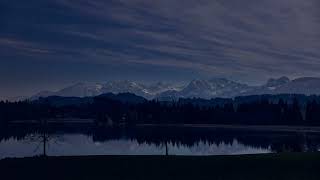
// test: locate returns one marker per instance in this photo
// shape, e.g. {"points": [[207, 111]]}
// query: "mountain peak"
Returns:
{"points": [[198, 88], [273, 83]]}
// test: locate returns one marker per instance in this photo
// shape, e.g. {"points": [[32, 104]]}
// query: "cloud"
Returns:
{"points": [[21, 46], [246, 40], [277, 30]]}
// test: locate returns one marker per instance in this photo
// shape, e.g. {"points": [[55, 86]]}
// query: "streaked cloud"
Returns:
{"points": [[245, 40]]}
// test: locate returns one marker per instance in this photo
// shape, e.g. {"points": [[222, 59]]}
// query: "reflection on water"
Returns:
{"points": [[79, 144], [22, 142]]}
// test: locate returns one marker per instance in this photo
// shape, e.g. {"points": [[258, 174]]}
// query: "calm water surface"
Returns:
{"points": [[78, 144], [155, 141]]}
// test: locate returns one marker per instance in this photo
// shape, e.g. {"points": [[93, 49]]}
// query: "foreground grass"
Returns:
{"points": [[256, 167]]}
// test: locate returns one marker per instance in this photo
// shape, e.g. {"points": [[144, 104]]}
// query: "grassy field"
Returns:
{"points": [[289, 166]]}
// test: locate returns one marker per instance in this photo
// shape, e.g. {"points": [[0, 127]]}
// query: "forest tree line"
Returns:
{"points": [[106, 110]]}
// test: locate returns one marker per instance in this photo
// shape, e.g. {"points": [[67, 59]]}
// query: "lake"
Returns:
{"points": [[22, 141]]}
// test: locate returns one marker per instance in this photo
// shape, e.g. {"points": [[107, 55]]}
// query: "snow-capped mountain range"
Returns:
{"points": [[207, 89], [95, 89]]}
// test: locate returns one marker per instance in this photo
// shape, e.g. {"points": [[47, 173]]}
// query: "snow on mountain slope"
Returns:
{"points": [[95, 89], [306, 85], [269, 88], [207, 89], [81, 90], [272, 83]]}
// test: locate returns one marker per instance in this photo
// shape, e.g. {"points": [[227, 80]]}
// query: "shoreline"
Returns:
{"points": [[276, 128]]}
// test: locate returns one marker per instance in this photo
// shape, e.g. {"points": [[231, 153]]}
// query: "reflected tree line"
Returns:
{"points": [[262, 110], [183, 136], [276, 141]]}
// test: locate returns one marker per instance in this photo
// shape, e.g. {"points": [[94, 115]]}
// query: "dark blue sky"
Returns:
{"points": [[47, 44]]}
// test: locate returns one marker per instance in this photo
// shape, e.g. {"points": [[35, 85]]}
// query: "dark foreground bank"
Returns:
{"points": [[257, 167]]}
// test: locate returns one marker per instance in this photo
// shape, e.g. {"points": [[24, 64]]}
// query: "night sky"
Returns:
{"points": [[48, 44]]}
